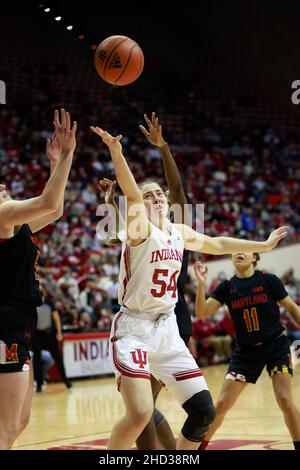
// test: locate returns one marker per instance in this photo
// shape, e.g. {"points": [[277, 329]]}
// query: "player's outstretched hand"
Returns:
{"points": [[113, 143], [65, 133], [154, 132], [276, 236], [53, 149], [200, 271]]}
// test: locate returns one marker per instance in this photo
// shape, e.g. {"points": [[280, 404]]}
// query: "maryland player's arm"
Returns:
{"points": [[205, 307], [23, 212], [176, 192], [49, 202], [291, 307], [42, 222]]}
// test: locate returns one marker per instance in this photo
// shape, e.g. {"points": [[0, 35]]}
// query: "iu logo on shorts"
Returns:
{"points": [[139, 357]]}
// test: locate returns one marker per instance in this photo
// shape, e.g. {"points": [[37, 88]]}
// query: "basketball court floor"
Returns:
{"points": [[82, 418]]}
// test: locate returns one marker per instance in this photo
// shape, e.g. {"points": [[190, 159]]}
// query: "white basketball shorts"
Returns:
{"points": [[139, 347]]}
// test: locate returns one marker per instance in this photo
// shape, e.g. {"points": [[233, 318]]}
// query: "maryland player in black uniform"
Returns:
{"points": [[252, 298], [19, 284]]}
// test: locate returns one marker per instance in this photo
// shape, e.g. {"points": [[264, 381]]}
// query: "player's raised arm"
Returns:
{"points": [[155, 136], [203, 307], [19, 212], [137, 224], [195, 241], [53, 151]]}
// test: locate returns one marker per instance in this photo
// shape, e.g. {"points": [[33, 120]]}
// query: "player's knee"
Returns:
{"points": [[201, 413], [284, 400], [140, 417]]}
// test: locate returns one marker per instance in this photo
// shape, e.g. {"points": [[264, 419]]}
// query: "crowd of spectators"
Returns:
{"points": [[247, 176]]}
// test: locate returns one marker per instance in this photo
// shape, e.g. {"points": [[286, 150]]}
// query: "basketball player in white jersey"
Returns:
{"points": [[144, 333]]}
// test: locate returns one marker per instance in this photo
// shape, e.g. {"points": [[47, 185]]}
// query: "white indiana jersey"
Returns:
{"points": [[149, 272]]}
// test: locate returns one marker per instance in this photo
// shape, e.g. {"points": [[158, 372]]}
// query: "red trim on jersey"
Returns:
{"points": [[189, 374]]}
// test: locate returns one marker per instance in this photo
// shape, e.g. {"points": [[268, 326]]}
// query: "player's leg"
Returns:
{"points": [[282, 385], [178, 370], [163, 430], [129, 354], [25, 414], [15, 394], [138, 400], [245, 367], [230, 392], [147, 439], [280, 370], [158, 427], [201, 413]]}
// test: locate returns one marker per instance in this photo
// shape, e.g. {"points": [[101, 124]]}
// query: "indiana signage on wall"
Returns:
{"points": [[86, 354]]}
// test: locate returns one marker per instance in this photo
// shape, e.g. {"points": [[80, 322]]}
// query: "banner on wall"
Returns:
{"points": [[86, 354]]}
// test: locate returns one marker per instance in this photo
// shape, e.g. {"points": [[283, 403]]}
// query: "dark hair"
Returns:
{"points": [[257, 258]]}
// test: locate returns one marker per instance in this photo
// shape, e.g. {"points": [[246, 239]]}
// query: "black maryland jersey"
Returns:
{"points": [[252, 303], [184, 320], [18, 277]]}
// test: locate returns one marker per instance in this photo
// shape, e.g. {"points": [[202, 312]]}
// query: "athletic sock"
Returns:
{"points": [[203, 445]]}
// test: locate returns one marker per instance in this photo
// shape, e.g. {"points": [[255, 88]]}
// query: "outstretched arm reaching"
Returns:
{"points": [[137, 224], [19, 212], [195, 241], [155, 137], [53, 151]]}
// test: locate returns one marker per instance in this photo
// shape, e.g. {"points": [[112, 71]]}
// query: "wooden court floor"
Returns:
{"points": [[82, 418]]}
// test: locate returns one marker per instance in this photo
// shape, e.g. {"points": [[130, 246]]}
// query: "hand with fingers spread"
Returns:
{"points": [[108, 187], [113, 143], [65, 134], [154, 132], [200, 271], [53, 149], [276, 236]]}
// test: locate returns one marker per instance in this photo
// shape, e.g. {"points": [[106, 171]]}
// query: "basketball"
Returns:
{"points": [[119, 60]]}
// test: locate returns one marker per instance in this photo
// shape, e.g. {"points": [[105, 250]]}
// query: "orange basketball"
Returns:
{"points": [[119, 60]]}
